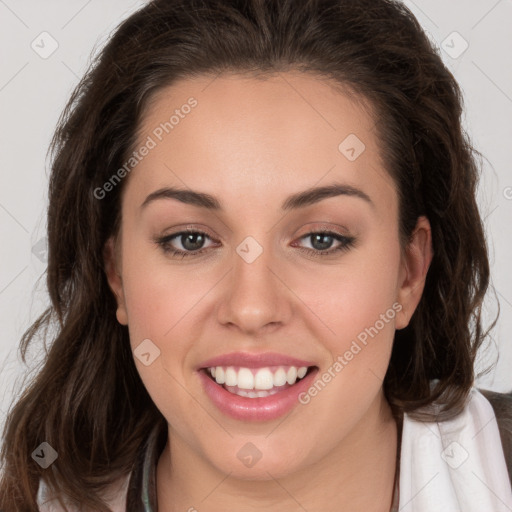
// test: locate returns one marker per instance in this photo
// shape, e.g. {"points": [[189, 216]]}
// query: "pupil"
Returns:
{"points": [[324, 245], [191, 237]]}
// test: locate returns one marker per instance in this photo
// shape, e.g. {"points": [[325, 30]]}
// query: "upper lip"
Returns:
{"points": [[248, 360]]}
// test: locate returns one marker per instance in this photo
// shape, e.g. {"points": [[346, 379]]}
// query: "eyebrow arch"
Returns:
{"points": [[185, 196], [317, 194], [299, 200]]}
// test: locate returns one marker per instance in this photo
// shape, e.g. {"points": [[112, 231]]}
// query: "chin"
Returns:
{"points": [[251, 463]]}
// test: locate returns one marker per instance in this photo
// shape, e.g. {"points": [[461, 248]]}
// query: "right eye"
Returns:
{"points": [[190, 241]]}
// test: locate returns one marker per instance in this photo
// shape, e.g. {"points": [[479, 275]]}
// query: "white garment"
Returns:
{"points": [[452, 466], [116, 498], [456, 465]]}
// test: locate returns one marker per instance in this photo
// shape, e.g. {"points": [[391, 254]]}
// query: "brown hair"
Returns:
{"points": [[87, 401]]}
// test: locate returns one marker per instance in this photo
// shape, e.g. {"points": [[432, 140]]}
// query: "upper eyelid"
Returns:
{"points": [[203, 232], [323, 230]]}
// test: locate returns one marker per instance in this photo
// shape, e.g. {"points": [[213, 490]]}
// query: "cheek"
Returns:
{"points": [[351, 296], [355, 309], [160, 304], [157, 295]]}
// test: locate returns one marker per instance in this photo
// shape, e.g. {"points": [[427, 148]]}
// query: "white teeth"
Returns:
{"points": [[301, 372], [220, 376], [231, 377], [254, 394], [245, 379], [261, 380], [280, 377], [291, 376], [264, 379]]}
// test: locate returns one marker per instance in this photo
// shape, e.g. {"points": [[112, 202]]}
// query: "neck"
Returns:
{"points": [[359, 474]]}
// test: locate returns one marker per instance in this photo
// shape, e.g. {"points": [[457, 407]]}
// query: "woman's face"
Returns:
{"points": [[261, 289]]}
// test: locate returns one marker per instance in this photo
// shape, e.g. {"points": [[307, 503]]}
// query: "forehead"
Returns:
{"points": [[246, 137]]}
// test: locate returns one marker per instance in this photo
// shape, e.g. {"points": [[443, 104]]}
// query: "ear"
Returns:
{"points": [[112, 269], [415, 263]]}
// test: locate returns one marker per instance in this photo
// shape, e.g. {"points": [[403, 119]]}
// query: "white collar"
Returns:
{"points": [[456, 465]]}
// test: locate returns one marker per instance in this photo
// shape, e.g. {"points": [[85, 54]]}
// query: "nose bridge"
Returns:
{"points": [[255, 297]]}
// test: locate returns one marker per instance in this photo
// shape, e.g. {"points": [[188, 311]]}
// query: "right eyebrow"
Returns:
{"points": [[314, 195]]}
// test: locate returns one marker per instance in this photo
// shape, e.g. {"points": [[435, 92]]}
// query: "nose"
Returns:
{"points": [[255, 298]]}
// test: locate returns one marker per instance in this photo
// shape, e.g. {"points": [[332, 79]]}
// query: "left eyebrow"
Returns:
{"points": [[315, 195], [299, 200]]}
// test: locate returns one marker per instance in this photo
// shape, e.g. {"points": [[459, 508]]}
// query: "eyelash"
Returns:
{"points": [[346, 243]]}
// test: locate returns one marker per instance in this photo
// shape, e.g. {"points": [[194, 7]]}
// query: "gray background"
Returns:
{"points": [[46, 46]]}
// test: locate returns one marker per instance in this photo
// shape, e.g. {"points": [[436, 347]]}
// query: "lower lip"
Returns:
{"points": [[256, 409]]}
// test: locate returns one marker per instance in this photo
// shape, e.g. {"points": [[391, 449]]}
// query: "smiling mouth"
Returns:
{"points": [[257, 382]]}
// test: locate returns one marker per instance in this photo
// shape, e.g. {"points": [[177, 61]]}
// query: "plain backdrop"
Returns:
{"points": [[45, 47]]}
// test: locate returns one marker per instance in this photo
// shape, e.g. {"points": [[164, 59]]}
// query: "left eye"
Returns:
{"points": [[322, 241]]}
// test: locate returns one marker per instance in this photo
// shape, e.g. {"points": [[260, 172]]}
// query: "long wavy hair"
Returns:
{"points": [[87, 399]]}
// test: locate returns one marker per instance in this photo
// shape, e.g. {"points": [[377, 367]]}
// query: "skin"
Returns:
{"points": [[252, 143]]}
